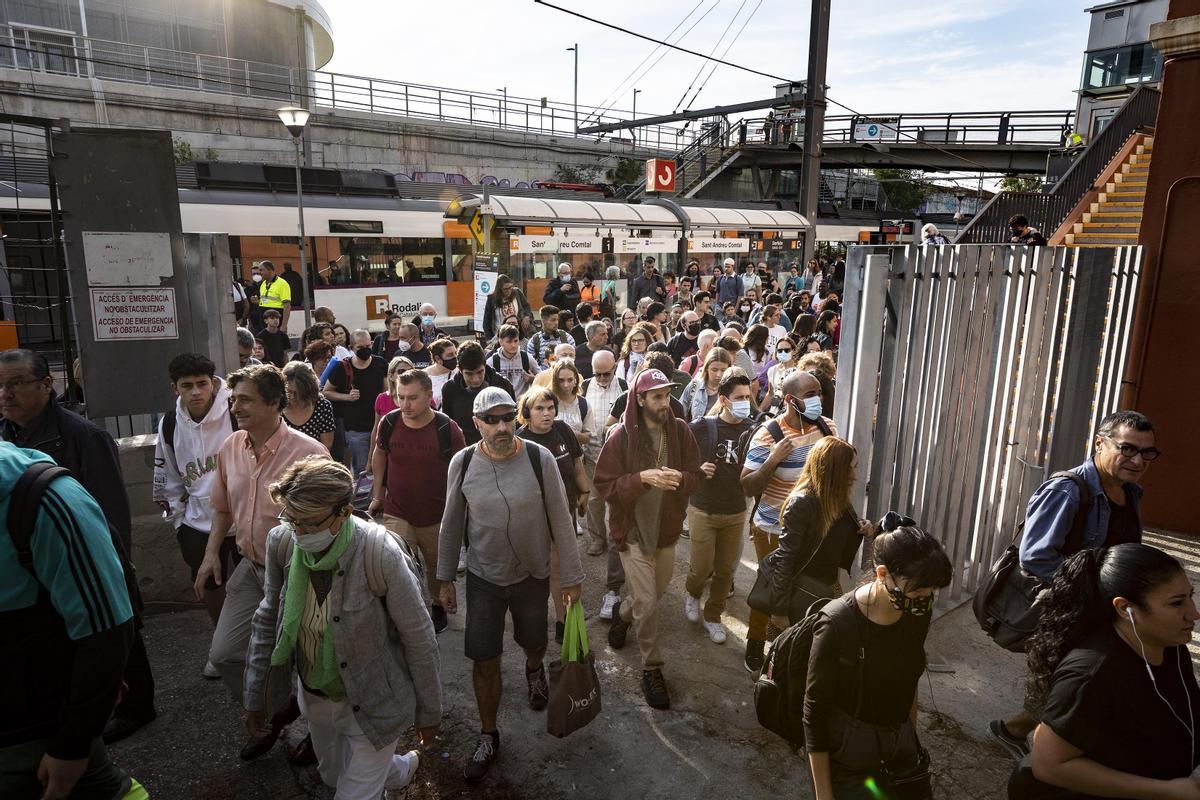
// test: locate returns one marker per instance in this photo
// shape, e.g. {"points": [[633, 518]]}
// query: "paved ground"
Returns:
{"points": [[708, 743]]}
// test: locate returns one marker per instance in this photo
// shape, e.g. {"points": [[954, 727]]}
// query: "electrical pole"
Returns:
{"points": [[633, 131], [575, 48], [814, 121]]}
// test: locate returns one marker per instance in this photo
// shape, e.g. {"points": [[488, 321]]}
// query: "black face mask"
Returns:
{"points": [[363, 353], [693, 329], [450, 363], [916, 606]]}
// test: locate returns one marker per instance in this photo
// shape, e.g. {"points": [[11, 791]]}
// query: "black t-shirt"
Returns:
{"points": [[561, 442], [680, 347], [722, 493], [1102, 701], [1123, 527], [359, 415], [618, 408], [275, 346], [420, 358]]}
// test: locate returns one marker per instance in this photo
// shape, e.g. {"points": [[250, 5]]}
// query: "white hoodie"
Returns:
{"points": [[183, 475]]}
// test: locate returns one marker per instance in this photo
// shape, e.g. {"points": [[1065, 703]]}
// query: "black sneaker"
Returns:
{"points": [[486, 752], [539, 692], [1017, 748], [440, 620], [619, 629], [654, 688], [559, 631], [754, 656]]}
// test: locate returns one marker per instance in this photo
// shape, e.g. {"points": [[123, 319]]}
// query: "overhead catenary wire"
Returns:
{"points": [[659, 41], [712, 70], [704, 64], [612, 97]]}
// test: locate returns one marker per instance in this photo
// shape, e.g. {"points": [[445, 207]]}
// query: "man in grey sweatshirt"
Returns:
{"points": [[504, 497]]}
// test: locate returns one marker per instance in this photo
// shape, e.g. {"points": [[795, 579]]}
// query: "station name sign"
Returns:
{"points": [[718, 245]]}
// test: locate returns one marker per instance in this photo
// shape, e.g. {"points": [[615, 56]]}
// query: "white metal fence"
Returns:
{"points": [[968, 374]]}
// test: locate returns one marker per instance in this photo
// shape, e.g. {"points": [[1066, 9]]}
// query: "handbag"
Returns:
{"points": [[1005, 604], [803, 591], [574, 685]]}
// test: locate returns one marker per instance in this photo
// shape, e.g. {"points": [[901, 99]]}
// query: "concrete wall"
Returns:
{"points": [[162, 575], [246, 129]]}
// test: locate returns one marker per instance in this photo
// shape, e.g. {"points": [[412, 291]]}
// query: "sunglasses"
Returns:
{"points": [[604, 374], [496, 419]]}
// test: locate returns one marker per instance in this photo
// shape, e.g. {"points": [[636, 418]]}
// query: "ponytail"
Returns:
{"points": [[1078, 603]]}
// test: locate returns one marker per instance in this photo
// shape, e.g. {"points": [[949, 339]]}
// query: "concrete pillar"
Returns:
{"points": [[1163, 378]]}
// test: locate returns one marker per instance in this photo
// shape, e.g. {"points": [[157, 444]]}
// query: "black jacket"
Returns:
{"points": [[563, 296], [490, 328], [458, 401], [87, 450]]}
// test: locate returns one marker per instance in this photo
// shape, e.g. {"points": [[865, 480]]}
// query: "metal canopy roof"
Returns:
{"points": [[554, 211]]}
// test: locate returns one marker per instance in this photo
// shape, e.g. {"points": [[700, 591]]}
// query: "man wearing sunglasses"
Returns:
{"points": [[509, 515], [1124, 448]]}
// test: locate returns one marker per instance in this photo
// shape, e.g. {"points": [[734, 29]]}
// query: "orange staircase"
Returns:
{"points": [[1111, 214]]}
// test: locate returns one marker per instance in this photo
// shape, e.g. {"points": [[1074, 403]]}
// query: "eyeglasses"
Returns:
{"points": [[303, 525], [496, 419], [1129, 450], [604, 374], [17, 385]]}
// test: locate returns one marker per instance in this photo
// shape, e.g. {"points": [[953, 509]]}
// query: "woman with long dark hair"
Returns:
{"points": [[1111, 680], [859, 720], [826, 333], [506, 300]]}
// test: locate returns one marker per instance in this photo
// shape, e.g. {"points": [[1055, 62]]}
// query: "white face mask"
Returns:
{"points": [[256, 278], [314, 542], [784, 356], [740, 409], [403, 345]]}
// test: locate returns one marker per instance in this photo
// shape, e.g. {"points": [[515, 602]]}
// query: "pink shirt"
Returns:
{"points": [[242, 483], [384, 403]]}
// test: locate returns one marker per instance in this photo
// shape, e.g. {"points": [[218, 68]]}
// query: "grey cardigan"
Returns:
{"points": [[382, 635]]}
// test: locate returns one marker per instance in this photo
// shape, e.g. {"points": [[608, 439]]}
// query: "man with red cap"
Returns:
{"points": [[647, 470]]}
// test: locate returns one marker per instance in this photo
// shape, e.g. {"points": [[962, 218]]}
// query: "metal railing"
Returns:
{"points": [[81, 56], [1047, 211], [1003, 128]]}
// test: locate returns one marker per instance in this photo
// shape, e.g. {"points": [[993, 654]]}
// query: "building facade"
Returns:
{"points": [[1119, 59]]}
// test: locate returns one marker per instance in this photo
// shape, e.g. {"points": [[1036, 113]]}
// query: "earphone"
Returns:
{"points": [[1191, 729]]}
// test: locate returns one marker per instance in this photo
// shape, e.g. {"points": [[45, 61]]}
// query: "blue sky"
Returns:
{"points": [[885, 56]]}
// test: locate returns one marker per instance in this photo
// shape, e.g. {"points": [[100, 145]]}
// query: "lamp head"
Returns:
{"points": [[294, 119]]}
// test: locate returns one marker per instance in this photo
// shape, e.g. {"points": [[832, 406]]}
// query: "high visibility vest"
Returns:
{"points": [[274, 294]]}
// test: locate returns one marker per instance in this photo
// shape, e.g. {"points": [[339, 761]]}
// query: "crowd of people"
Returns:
{"points": [[336, 501]]}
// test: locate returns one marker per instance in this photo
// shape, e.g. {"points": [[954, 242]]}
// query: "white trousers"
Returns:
{"points": [[346, 759]]}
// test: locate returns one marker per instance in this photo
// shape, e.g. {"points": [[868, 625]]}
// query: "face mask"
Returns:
{"points": [[740, 409], [565, 278], [313, 542], [363, 353], [402, 346], [256, 278], [916, 606], [811, 408], [450, 363], [745, 309], [427, 320], [784, 356], [693, 329]]}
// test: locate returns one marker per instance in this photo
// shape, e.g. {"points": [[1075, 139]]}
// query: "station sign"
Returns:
{"points": [[718, 245], [660, 175], [877, 129], [653, 245], [134, 313], [556, 244]]}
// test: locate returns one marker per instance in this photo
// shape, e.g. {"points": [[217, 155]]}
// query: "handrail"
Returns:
{"points": [[1048, 210]]}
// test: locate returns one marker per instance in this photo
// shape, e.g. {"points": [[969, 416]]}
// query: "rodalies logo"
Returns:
{"points": [[380, 305], [582, 703]]}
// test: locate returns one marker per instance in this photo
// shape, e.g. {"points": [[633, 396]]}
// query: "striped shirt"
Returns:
{"points": [[767, 517]]}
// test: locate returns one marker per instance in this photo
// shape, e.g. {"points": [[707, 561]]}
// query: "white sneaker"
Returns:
{"points": [[405, 767], [691, 607], [606, 605], [210, 671], [716, 631], [462, 560]]}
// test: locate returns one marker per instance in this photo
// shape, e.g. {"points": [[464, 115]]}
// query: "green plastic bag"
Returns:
{"points": [[574, 685]]}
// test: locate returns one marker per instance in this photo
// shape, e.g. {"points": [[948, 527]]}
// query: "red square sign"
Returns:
{"points": [[660, 175]]}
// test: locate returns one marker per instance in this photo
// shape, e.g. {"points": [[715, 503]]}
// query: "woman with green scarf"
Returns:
{"points": [[344, 625]]}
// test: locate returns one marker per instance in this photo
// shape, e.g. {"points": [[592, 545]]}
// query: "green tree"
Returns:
{"points": [[625, 171], [184, 152], [1021, 183], [905, 188], [577, 173]]}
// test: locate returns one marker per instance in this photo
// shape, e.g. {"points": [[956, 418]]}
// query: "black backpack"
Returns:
{"points": [[776, 432], [444, 434], [780, 688], [535, 461], [1005, 602], [23, 506]]}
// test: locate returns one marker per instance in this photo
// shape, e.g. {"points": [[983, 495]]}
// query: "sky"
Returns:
{"points": [[884, 57]]}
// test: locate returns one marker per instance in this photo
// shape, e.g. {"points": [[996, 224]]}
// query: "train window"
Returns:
{"points": [[371, 261]]}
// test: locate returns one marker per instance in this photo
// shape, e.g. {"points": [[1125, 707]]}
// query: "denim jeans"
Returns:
{"points": [[359, 444]]}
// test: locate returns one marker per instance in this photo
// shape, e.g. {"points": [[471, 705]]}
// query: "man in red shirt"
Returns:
{"points": [[413, 452]]}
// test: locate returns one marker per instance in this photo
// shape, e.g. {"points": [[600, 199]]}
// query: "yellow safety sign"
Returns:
{"points": [[478, 230]]}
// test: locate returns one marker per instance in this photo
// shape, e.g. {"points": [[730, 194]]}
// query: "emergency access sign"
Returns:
{"points": [[133, 313]]}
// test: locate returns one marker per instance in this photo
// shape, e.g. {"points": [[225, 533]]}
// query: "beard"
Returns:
{"points": [[658, 418]]}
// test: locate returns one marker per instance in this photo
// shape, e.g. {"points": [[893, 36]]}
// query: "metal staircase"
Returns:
{"points": [[698, 163], [1115, 218]]}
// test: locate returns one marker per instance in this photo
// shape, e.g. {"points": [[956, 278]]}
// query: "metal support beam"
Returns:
{"points": [[814, 118], [715, 111]]}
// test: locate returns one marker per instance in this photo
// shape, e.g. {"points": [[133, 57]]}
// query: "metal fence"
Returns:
{"points": [[81, 56], [966, 127], [968, 374]]}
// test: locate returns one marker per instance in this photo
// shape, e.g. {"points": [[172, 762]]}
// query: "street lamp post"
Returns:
{"points": [[575, 49], [504, 106], [633, 131], [294, 119]]}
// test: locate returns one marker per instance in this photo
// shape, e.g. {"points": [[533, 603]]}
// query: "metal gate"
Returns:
{"points": [[968, 374]]}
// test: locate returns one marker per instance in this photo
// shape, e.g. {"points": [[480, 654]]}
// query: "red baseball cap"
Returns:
{"points": [[650, 380]]}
